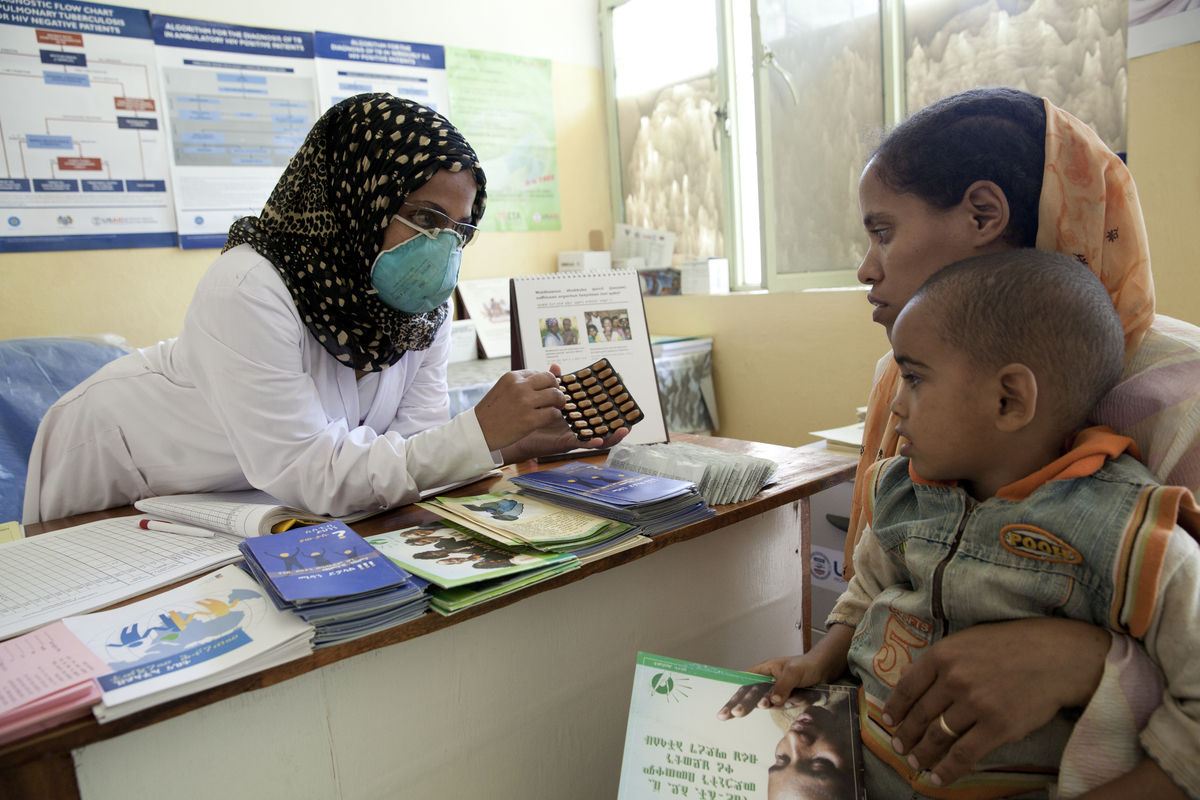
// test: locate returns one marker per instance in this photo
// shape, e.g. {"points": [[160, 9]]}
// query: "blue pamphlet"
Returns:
{"points": [[320, 562], [605, 485]]}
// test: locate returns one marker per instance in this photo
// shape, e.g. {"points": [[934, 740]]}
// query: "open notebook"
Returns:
{"points": [[254, 512]]}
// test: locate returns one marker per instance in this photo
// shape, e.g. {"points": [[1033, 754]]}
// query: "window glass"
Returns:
{"points": [[665, 57], [820, 127]]}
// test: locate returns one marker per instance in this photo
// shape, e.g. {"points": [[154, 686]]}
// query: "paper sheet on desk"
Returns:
{"points": [[81, 569]]}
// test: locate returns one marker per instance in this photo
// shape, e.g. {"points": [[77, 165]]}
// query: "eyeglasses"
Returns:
{"points": [[430, 223]]}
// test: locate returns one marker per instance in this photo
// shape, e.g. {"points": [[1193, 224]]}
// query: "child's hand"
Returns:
{"points": [[790, 673]]}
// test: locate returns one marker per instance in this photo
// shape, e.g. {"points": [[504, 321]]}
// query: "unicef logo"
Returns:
{"points": [[14, 221], [821, 566], [199, 220]]}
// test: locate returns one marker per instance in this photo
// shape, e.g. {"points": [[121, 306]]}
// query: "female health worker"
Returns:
{"points": [[312, 360]]}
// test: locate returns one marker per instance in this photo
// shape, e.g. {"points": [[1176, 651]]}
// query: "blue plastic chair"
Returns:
{"points": [[34, 373]]}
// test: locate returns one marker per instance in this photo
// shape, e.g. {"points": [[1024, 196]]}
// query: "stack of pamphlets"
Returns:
{"points": [[464, 570], [205, 633], [334, 580], [682, 738], [653, 504], [47, 677], [514, 519], [722, 477]]}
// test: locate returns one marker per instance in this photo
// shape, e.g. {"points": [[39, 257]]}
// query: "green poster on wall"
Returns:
{"points": [[504, 107]]}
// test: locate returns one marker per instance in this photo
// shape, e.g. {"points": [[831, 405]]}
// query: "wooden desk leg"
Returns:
{"points": [[48, 778], [806, 573]]}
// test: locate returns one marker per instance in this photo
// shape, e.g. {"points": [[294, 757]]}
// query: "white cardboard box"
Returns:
{"points": [[584, 261], [709, 276]]}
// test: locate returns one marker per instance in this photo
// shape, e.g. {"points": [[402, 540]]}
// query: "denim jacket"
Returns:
{"points": [[945, 563]]}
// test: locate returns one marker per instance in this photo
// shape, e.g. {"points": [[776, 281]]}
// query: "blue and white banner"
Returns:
{"points": [[350, 65]]}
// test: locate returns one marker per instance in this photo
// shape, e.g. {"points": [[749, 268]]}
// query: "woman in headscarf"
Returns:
{"points": [[977, 172], [312, 360]]}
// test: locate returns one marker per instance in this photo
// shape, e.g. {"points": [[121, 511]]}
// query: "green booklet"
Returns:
{"points": [[449, 558], [451, 601], [682, 742]]}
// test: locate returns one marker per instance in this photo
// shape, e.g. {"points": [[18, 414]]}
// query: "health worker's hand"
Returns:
{"points": [[520, 403], [992, 684], [553, 435]]}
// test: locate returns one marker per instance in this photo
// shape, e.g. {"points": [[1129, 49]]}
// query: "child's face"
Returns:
{"points": [[909, 241], [943, 404]]}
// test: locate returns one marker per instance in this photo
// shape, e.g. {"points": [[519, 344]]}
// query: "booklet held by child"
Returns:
{"points": [[681, 742]]}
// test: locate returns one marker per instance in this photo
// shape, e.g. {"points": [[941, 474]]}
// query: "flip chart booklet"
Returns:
{"points": [[675, 745], [514, 519], [205, 633], [605, 312]]}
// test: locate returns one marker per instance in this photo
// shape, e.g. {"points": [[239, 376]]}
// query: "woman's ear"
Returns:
{"points": [[986, 205], [1018, 396]]}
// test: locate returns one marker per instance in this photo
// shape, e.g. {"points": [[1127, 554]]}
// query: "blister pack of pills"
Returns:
{"points": [[598, 404]]}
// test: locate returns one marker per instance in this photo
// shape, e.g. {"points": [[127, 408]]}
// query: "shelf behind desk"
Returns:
{"points": [[524, 696]]}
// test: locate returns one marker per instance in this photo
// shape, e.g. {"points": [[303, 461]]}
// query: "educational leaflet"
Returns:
{"points": [[486, 302], [504, 106], [350, 65], [238, 103], [84, 151], [202, 634], [606, 310], [675, 744], [448, 558]]}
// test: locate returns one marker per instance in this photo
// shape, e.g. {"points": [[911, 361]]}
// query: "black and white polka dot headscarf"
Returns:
{"points": [[323, 225]]}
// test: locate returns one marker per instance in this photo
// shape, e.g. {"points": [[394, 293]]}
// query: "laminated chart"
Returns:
{"points": [[350, 65], [84, 156], [504, 106], [238, 103]]}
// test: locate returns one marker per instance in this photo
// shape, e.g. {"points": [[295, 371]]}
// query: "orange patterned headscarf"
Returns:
{"points": [[1089, 210]]}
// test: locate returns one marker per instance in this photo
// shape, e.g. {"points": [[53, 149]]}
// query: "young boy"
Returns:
{"points": [[987, 516]]}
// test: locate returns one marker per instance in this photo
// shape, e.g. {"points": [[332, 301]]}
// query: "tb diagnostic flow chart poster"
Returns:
{"points": [[84, 157]]}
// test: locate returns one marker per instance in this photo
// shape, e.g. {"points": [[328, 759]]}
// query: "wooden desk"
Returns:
{"points": [[524, 697]]}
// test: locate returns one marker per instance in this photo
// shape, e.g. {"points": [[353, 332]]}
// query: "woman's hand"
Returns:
{"points": [[521, 416], [520, 403], [992, 684]]}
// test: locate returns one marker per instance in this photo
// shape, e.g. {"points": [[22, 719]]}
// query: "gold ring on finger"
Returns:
{"points": [[946, 728]]}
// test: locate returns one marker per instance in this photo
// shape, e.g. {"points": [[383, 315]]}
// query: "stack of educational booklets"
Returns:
{"points": [[335, 581], [515, 519], [722, 477], [682, 739], [464, 570], [205, 633], [652, 504]]}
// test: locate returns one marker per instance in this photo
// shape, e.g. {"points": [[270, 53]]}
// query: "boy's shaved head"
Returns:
{"points": [[1033, 307]]}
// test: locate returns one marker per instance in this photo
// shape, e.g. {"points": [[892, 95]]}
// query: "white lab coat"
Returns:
{"points": [[246, 398]]}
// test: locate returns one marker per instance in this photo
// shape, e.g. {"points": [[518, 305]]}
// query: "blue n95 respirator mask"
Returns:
{"points": [[418, 275]]}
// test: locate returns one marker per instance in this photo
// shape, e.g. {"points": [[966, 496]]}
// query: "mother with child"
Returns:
{"points": [[1011, 561]]}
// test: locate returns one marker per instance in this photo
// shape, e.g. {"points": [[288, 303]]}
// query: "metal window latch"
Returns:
{"points": [[769, 60], [722, 124]]}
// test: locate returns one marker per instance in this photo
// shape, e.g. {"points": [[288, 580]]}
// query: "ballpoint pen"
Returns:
{"points": [[173, 527]]}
